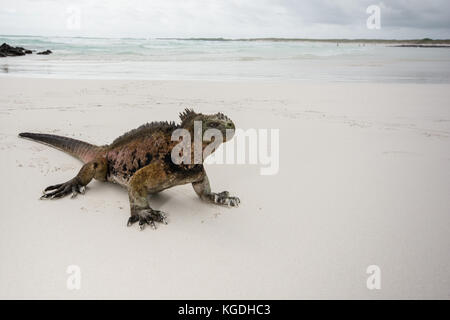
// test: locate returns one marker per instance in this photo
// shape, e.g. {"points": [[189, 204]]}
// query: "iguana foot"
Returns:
{"points": [[224, 198], [60, 190], [147, 216]]}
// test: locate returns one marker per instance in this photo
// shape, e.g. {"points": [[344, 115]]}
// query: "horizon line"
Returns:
{"points": [[281, 39]]}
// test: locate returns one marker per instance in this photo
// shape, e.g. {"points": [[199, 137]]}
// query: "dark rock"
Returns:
{"points": [[45, 52], [8, 51], [15, 52]]}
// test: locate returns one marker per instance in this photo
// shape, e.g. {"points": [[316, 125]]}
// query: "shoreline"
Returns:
{"points": [[343, 40], [263, 81], [231, 61]]}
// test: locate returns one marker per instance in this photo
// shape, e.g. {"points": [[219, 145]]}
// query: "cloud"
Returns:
{"points": [[227, 18]]}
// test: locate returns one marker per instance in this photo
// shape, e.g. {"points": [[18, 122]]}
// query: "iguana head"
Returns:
{"points": [[217, 121]]}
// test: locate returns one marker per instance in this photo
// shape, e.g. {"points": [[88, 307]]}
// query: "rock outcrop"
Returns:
{"points": [[45, 52], [9, 51]]}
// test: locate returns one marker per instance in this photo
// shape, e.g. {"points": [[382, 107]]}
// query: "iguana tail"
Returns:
{"points": [[79, 149]]}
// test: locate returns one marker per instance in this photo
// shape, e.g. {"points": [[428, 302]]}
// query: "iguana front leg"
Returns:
{"points": [[149, 179], [96, 168], [203, 190]]}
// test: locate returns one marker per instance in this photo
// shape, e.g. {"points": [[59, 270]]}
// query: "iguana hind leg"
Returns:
{"points": [[203, 190], [149, 179], [96, 168]]}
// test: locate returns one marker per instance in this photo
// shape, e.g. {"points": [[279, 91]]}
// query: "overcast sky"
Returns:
{"points": [[220, 18]]}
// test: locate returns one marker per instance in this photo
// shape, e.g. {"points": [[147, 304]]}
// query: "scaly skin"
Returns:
{"points": [[140, 160]]}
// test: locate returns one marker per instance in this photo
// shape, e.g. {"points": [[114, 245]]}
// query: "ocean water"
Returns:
{"points": [[166, 59]]}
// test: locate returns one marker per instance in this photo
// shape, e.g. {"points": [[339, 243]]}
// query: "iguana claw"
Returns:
{"points": [[60, 190], [224, 198], [147, 216]]}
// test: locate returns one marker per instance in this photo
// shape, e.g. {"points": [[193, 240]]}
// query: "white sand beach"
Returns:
{"points": [[364, 179]]}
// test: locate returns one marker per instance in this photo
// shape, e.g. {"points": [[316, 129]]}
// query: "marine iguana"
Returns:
{"points": [[140, 160]]}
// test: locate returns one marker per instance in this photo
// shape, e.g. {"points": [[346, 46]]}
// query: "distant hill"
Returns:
{"points": [[425, 41]]}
